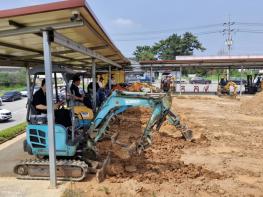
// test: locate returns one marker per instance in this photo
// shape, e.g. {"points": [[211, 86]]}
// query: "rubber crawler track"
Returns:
{"points": [[83, 167]]}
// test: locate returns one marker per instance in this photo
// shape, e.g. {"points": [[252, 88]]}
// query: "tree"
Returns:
{"points": [[167, 49], [144, 53], [176, 45]]}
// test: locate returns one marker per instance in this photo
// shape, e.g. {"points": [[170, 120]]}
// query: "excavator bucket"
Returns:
{"points": [[185, 131], [102, 172]]}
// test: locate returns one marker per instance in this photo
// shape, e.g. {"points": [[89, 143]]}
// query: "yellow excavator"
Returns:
{"points": [[226, 88]]}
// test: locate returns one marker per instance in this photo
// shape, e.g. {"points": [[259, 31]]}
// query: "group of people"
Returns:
{"points": [[62, 116]]}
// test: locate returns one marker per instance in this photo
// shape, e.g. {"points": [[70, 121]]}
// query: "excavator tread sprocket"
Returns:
{"points": [[67, 170]]}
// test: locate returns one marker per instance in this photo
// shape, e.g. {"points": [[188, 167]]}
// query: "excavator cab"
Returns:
{"points": [[253, 85], [36, 142]]}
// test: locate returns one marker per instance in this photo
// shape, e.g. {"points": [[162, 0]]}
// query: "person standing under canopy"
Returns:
{"points": [[74, 89]]}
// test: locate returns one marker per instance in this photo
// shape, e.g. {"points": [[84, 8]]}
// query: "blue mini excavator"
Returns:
{"points": [[76, 146]]}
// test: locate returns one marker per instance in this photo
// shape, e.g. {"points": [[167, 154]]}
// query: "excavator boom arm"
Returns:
{"points": [[120, 101]]}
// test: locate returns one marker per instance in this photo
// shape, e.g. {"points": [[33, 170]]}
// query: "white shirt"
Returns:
{"points": [[113, 82], [100, 84]]}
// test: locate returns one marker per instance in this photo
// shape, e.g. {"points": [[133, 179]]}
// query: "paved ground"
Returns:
{"points": [[11, 187], [18, 109], [11, 153]]}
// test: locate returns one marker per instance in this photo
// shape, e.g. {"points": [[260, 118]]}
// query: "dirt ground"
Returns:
{"points": [[225, 159]]}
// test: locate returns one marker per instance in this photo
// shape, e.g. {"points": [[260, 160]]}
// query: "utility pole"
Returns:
{"points": [[228, 30]]}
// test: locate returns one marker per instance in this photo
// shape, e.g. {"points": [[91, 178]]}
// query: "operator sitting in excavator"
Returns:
{"points": [[222, 85], [62, 116]]}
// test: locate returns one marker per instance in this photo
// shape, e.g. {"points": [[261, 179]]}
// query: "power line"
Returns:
{"points": [[228, 30], [159, 37], [139, 39], [249, 24], [169, 30], [251, 31], [206, 33]]}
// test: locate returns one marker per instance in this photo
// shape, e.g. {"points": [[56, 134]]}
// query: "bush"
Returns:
{"points": [[13, 78], [12, 131]]}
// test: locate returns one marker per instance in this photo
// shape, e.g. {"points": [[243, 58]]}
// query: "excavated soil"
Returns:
{"points": [[253, 106], [224, 159], [158, 164]]}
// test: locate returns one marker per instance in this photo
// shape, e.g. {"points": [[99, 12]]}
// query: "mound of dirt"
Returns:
{"points": [[157, 164], [253, 106]]}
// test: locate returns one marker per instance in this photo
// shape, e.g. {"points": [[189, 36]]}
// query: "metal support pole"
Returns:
{"points": [[228, 73], [56, 87], [241, 81], [180, 80], [28, 83], [94, 85], [28, 92], [50, 109], [83, 83], [151, 77], [110, 77]]}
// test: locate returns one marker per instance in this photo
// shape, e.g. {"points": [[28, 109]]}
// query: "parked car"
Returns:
{"points": [[199, 80], [1, 102], [11, 96], [177, 81], [5, 115], [24, 93], [147, 80], [238, 81], [132, 79]]}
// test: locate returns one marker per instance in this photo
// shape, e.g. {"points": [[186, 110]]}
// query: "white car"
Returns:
{"points": [[24, 93], [5, 114], [1, 102]]}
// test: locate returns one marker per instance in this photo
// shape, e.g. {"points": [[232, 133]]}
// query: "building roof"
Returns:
{"points": [[209, 61], [27, 48]]}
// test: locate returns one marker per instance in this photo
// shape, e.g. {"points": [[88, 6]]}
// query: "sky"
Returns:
{"points": [[131, 23]]}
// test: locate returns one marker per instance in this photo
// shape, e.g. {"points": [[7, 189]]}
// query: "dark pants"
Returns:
{"points": [[63, 117], [166, 89]]}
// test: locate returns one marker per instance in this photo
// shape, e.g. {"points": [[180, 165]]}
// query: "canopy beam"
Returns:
{"points": [[66, 42], [38, 29]]}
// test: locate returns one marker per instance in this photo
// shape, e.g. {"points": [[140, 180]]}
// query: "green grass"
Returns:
{"points": [[212, 77], [235, 75], [11, 132], [4, 89]]}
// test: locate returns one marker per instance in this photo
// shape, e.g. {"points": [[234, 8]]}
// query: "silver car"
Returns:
{"points": [[5, 115]]}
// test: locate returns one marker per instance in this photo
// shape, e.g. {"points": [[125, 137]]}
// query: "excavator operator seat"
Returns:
{"points": [[83, 112]]}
